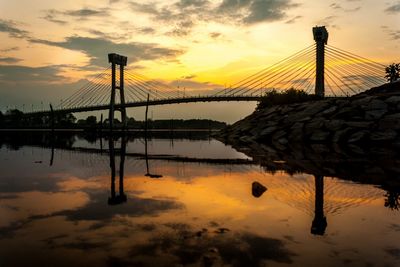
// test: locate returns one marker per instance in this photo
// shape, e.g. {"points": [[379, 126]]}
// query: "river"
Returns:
{"points": [[183, 199]]}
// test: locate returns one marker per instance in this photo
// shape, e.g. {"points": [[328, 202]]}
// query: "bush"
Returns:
{"points": [[283, 98]]}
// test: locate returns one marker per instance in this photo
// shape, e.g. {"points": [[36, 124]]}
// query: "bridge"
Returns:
{"points": [[319, 68]]}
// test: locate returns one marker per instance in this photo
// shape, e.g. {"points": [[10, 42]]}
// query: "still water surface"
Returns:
{"points": [[188, 202]]}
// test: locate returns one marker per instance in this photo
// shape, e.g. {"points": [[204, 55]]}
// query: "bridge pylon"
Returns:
{"points": [[321, 38], [121, 61]]}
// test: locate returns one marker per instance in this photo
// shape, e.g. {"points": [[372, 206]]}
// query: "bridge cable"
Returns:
{"points": [[274, 69]]}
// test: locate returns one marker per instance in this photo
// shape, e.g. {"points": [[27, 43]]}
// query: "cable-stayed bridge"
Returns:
{"points": [[319, 68]]}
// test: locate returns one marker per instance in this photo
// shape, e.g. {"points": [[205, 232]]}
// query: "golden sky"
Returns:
{"points": [[48, 47]]}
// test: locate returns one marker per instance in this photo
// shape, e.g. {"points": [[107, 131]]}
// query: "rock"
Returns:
{"points": [[279, 134], [358, 124], [375, 104], [393, 100], [257, 189], [348, 113], [334, 125], [374, 114], [320, 148], [329, 111], [319, 136], [282, 141], [390, 122], [355, 149], [340, 135], [268, 131], [286, 109], [363, 101], [246, 139], [357, 137], [296, 132], [383, 136], [314, 125]]}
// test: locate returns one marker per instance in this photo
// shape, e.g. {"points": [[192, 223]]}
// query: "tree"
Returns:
{"points": [[289, 96], [91, 120], [392, 72], [392, 200]]}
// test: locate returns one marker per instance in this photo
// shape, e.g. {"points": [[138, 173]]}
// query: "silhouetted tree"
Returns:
{"points": [[392, 200], [91, 120], [15, 118], [289, 96], [65, 120], [392, 72]]}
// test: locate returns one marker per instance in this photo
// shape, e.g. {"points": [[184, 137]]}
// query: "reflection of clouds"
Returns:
{"points": [[173, 244], [31, 204], [75, 183], [229, 249], [97, 208]]}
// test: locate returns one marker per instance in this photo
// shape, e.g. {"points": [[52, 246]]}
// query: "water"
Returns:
{"points": [[59, 206]]}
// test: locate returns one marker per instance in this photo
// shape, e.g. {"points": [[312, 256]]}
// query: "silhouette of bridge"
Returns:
{"points": [[321, 68]]}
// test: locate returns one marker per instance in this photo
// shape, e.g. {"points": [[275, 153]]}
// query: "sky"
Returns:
{"points": [[49, 48]]}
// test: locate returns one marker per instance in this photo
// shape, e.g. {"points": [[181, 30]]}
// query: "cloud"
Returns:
{"points": [[86, 12], [393, 9], [188, 77], [215, 35], [13, 48], [147, 30], [182, 28], [190, 85], [186, 14], [267, 11], [393, 34], [10, 27], [337, 6], [293, 20], [97, 48], [16, 73], [328, 21], [53, 15], [9, 60]]}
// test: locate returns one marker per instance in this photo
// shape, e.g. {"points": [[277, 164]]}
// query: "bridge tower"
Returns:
{"points": [[121, 61], [321, 38]]}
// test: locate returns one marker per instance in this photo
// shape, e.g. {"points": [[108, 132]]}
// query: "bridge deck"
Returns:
{"points": [[154, 102]]}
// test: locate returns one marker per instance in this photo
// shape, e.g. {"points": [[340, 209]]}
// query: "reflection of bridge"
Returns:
{"points": [[324, 69], [319, 197]]}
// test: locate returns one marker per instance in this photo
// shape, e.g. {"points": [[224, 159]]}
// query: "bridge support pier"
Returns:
{"points": [[321, 38], [121, 61]]}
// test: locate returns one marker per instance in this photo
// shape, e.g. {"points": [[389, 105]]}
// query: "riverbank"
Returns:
{"points": [[369, 117]]}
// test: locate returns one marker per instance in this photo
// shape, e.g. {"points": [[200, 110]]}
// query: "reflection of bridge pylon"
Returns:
{"points": [[115, 199], [319, 223]]}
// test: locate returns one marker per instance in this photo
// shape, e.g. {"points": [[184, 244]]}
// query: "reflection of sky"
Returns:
{"points": [[195, 214], [177, 147]]}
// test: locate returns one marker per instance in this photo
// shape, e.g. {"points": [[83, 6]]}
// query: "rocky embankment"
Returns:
{"points": [[370, 117], [355, 138]]}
